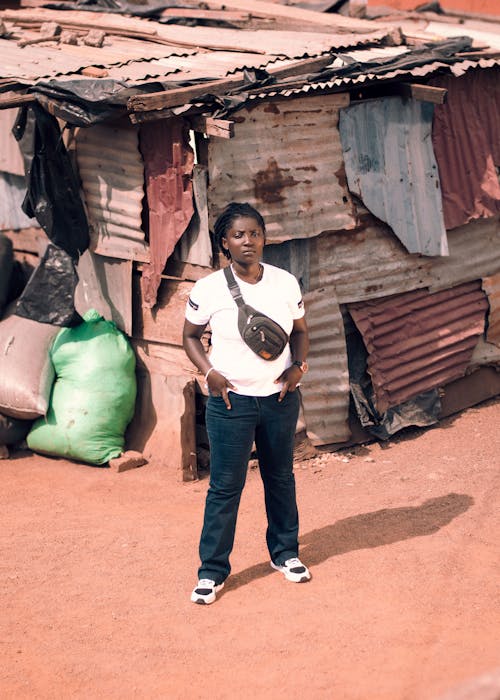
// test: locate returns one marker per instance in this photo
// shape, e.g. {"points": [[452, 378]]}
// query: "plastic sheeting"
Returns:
{"points": [[49, 295], [53, 194]]}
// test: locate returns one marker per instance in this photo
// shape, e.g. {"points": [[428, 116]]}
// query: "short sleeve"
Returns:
{"points": [[296, 302], [198, 309]]}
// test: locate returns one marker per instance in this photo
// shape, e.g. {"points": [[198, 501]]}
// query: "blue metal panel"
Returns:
{"points": [[390, 164]]}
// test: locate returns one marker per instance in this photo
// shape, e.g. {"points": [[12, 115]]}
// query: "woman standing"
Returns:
{"points": [[250, 399]]}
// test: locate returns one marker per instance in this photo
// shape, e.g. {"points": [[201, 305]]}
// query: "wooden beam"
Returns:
{"points": [[179, 96], [222, 128], [17, 101], [424, 93]]}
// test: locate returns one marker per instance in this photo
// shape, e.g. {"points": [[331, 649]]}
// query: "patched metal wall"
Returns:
{"points": [[285, 159]]}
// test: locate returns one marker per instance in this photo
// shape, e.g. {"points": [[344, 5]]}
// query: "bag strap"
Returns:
{"points": [[233, 286]]}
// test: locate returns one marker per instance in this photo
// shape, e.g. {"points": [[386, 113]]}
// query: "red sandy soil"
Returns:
{"points": [[403, 544]]}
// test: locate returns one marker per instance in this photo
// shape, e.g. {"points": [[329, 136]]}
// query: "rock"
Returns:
{"points": [[4, 452], [128, 460], [94, 38]]}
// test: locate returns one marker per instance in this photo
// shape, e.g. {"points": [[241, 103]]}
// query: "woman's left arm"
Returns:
{"points": [[299, 345]]}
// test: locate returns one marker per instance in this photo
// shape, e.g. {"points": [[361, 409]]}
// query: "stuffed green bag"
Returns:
{"points": [[93, 397]]}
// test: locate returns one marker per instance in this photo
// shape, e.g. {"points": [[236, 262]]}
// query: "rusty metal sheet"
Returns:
{"points": [[168, 161], [112, 174], [325, 388], [11, 160], [195, 246], [368, 263], [419, 341], [35, 62], [487, 7], [467, 146], [491, 286], [391, 166], [474, 253], [286, 160]]}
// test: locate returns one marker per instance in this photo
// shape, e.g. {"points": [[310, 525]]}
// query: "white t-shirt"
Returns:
{"points": [[277, 295]]}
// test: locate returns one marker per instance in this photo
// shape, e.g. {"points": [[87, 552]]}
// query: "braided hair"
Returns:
{"points": [[231, 212]]}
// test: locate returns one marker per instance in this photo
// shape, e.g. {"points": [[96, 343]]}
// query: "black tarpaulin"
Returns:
{"points": [[49, 295], [53, 194]]}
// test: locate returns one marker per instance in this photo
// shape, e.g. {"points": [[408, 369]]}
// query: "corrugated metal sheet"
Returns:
{"points": [[366, 264], [474, 253], [214, 65], [112, 175], [293, 256], [419, 341], [11, 160], [34, 62], [195, 246], [325, 389], [467, 145], [285, 158], [491, 286], [12, 193], [488, 7], [168, 163], [105, 284], [390, 165]]}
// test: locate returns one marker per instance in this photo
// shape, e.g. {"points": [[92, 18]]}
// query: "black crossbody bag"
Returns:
{"points": [[262, 335]]}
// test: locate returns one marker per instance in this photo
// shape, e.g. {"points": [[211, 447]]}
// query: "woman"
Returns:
{"points": [[250, 399]]}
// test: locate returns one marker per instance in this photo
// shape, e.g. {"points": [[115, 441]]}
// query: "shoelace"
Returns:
{"points": [[291, 563], [205, 583]]}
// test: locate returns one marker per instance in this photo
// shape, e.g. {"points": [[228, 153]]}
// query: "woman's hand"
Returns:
{"points": [[219, 386], [290, 378]]}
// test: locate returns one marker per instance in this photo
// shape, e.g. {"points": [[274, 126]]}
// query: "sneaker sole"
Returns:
{"points": [[294, 578], [206, 600]]}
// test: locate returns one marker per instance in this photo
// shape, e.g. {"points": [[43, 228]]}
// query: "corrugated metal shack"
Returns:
{"points": [[373, 156]]}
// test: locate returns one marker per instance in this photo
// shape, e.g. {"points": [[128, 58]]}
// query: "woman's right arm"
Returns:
{"points": [[193, 347]]}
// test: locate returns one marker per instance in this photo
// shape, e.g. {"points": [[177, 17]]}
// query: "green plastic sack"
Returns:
{"points": [[93, 397]]}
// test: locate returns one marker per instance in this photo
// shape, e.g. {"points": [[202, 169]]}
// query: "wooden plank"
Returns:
{"points": [[28, 240], [16, 101], [425, 93], [179, 96], [222, 128], [277, 11], [163, 429], [215, 15], [164, 323]]}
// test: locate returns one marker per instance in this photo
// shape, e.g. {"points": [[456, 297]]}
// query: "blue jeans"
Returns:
{"points": [[231, 434]]}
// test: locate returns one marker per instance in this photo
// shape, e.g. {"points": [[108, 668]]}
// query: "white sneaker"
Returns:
{"points": [[206, 591], [294, 570]]}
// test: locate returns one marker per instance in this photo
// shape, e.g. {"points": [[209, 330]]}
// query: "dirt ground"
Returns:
{"points": [[403, 544]]}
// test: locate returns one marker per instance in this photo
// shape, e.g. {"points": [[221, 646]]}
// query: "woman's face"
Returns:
{"points": [[244, 240]]}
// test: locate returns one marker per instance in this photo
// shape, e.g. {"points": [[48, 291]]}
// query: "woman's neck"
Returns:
{"points": [[249, 273]]}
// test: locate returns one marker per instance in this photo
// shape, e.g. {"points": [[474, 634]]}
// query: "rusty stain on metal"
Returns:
{"points": [[270, 183]]}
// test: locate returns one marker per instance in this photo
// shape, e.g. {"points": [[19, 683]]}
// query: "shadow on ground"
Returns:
{"points": [[368, 530]]}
